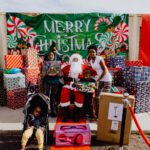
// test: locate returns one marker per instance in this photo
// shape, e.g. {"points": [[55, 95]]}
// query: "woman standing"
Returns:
{"points": [[104, 78]]}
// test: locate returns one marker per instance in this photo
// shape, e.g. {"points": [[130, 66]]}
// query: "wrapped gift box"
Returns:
{"points": [[13, 61], [141, 90], [30, 58], [135, 74], [52, 67], [116, 61], [32, 79], [75, 134], [32, 75], [31, 71], [14, 81], [134, 63], [146, 73], [16, 98], [131, 74], [87, 87]]}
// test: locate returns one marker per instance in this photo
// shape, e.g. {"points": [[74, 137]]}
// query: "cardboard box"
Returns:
{"points": [[109, 119], [75, 134]]}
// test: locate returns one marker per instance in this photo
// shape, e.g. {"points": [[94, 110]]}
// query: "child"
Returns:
{"points": [[35, 122], [51, 83], [88, 97], [53, 48]]}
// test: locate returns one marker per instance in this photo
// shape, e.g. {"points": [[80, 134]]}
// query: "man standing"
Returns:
{"points": [[73, 72]]}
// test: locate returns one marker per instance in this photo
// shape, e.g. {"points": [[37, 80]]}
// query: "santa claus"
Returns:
{"points": [[72, 72]]}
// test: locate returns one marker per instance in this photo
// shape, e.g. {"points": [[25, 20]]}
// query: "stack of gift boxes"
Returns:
{"points": [[2, 90], [142, 96], [136, 79], [116, 62], [15, 83], [31, 69]]}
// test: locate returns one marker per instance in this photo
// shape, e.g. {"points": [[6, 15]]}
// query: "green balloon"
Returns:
{"points": [[8, 71]]}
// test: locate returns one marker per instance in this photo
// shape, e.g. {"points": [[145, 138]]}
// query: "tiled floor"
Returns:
{"points": [[12, 120]]}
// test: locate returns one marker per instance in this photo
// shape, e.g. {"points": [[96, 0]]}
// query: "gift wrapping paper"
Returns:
{"points": [[141, 90], [16, 98], [134, 63], [31, 71], [146, 73], [116, 61], [30, 58], [13, 61], [135, 74], [33, 79], [14, 81]]}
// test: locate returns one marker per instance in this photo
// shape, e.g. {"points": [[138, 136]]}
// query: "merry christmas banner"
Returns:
{"points": [[71, 32]]}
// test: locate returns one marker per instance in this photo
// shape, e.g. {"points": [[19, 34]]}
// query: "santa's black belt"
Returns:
{"points": [[69, 79]]}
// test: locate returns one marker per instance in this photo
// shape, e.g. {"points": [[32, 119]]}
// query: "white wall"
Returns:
{"points": [[3, 39], [76, 6], [134, 35]]}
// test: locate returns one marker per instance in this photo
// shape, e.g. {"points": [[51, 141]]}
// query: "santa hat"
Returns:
{"points": [[76, 55], [92, 71]]}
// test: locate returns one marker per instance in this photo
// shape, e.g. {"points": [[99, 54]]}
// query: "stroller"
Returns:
{"points": [[35, 98]]}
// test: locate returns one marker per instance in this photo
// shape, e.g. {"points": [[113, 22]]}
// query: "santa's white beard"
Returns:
{"points": [[75, 69]]}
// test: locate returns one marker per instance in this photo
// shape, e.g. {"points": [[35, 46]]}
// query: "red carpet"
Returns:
{"points": [[59, 121]]}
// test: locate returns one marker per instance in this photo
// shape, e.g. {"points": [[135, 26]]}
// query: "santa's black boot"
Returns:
{"points": [[76, 114], [65, 114]]}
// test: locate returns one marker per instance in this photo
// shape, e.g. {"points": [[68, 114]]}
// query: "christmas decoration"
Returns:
{"points": [[122, 32], [11, 41], [16, 27]]}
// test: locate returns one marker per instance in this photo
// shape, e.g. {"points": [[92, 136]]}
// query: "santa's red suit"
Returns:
{"points": [[68, 89]]}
